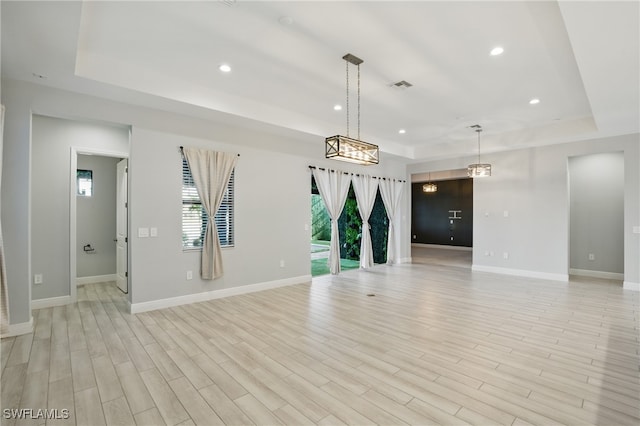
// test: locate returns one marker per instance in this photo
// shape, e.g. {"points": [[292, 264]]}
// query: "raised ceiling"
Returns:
{"points": [[579, 58]]}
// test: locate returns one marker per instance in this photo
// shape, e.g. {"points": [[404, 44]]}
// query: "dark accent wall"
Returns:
{"points": [[430, 216]]}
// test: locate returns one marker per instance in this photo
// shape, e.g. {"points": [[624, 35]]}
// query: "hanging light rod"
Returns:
{"points": [[346, 148]]}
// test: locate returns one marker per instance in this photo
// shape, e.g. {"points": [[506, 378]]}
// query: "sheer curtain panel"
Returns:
{"points": [[211, 171], [366, 188], [391, 192], [333, 187], [4, 308]]}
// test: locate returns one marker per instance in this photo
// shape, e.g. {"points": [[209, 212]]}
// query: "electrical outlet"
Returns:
{"points": [[37, 279], [505, 255], [189, 275], [592, 256], [282, 263]]}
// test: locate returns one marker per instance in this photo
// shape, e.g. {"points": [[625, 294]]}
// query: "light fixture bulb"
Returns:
{"points": [[402, 131], [224, 68], [534, 101], [498, 50], [337, 107]]}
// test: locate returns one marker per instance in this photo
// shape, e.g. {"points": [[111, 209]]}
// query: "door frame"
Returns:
{"points": [[75, 151], [598, 274], [122, 186]]}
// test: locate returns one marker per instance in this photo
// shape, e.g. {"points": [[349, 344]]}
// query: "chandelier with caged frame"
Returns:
{"points": [[478, 170], [349, 149], [430, 187]]}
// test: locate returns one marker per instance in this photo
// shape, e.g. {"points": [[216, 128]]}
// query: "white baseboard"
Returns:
{"points": [[442, 246], [20, 328], [50, 302], [95, 279], [627, 285], [404, 260], [215, 294], [596, 274], [521, 273]]}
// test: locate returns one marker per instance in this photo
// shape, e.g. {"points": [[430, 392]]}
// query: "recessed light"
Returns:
{"points": [[337, 107], [224, 68], [534, 101], [402, 131], [498, 50]]}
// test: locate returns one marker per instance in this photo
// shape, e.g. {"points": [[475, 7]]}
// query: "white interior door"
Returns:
{"points": [[121, 227]]}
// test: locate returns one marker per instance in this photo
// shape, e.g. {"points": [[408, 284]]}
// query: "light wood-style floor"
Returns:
{"points": [[407, 344]]}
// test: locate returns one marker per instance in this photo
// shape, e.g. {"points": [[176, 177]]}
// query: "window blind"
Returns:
{"points": [[194, 216]]}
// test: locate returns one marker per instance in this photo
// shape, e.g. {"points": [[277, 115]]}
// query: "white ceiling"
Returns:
{"points": [[581, 59]]}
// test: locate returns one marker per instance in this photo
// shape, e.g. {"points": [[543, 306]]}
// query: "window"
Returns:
{"points": [[84, 183], [194, 216]]}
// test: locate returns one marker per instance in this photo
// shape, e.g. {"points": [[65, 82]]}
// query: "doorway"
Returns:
{"points": [[98, 223], [349, 230], [596, 215], [442, 218]]}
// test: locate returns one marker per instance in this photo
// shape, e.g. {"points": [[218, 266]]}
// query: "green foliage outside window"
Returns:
{"points": [[350, 228], [350, 225]]}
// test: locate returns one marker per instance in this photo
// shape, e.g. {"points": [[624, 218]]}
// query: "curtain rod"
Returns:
{"points": [[357, 174], [182, 150]]}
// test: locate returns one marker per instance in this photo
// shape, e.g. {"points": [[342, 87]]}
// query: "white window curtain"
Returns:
{"points": [[333, 187], [365, 188], [4, 296], [211, 171], [391, 192]]}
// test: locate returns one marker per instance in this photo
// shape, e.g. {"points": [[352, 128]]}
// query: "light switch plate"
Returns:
{"points": [[143, 232], [154, 232]]}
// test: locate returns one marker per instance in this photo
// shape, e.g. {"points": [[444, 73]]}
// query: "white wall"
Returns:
{"points": [[531, 185], [52, 139], [596, 187], [272, 193], [272, 207], [96, 218]]}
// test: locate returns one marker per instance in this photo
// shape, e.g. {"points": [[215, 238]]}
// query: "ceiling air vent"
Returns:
{"points": [[403, 84], [228, 2]]}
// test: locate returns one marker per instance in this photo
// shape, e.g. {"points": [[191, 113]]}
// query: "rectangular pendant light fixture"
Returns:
{"points": [[345, 148], [351, 150]]}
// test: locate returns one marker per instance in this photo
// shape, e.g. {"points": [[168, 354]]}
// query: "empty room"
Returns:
{"points": [[320, 212]]}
